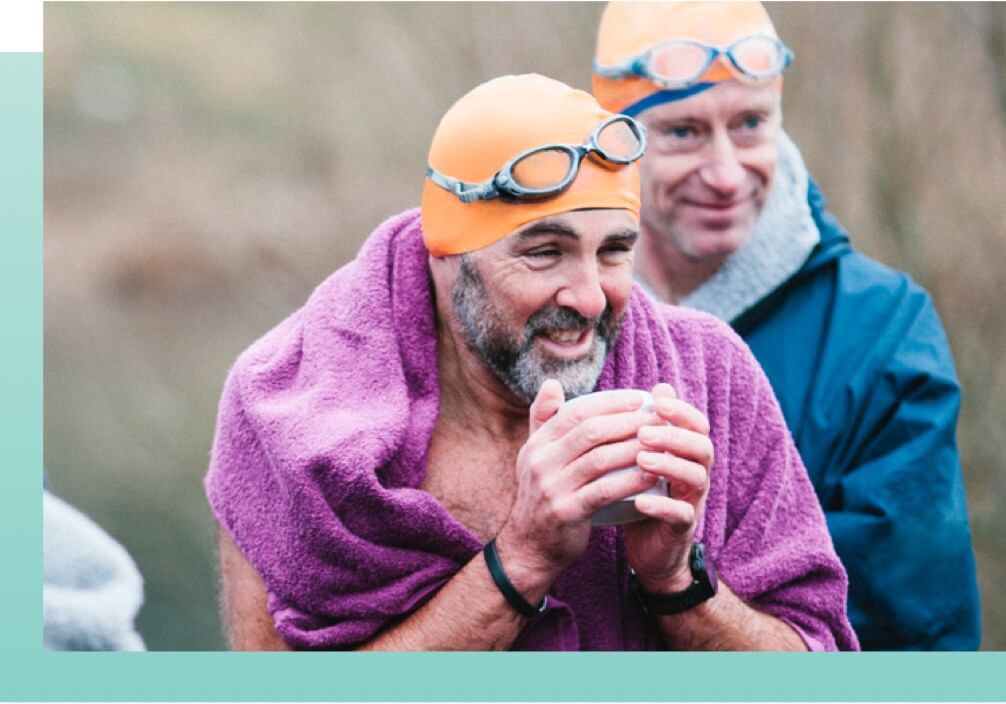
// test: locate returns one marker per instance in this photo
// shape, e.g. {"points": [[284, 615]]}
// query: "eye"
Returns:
{"points": [[543, 253], [751, 129], [618, 247], [677, 136], [680, 131], [617, 251]]}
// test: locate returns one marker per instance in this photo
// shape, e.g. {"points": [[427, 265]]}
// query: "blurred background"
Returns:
{"points": [[208, 164]]}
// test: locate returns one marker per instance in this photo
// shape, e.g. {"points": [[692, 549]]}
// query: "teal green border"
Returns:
{"points": [[27, 673], [507, 676], [20, 354]]}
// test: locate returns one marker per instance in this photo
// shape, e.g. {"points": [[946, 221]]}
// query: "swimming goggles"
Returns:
{"points": [[680, 63], [548, 170]]}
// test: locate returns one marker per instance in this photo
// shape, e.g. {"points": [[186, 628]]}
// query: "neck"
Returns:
{"points": [[470, 394], [670, 273]]}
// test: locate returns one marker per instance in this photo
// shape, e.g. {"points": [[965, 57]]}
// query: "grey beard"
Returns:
{"points": [[516, 362]]}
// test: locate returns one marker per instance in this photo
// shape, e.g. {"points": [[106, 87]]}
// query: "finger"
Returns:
{"points": [[577, 410], [683, 414], [685, 479], [601, 460], [610, 488], [545, 405], [682, 442], [664, 390], [599, 431], [678, 516]]}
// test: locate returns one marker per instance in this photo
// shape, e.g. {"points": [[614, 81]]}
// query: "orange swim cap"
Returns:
{"points": [[629, 28], [494, 123]]}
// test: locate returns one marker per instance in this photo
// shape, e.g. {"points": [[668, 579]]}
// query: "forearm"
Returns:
{"points": [[725, 622], [467, 613]]}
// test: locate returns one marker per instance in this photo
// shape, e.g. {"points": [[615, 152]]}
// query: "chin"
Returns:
{"points": [[713, 246], [716, 240]]}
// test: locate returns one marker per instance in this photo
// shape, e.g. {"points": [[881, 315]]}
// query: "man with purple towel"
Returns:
{"points": [[395, 467]]}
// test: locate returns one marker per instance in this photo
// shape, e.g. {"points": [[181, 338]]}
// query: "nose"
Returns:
{"points": [[583, 291], [723, 172]]}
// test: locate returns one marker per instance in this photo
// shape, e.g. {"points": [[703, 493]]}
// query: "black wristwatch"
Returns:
{"points": [[702, 588]]}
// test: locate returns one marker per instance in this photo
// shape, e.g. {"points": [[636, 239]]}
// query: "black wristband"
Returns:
{"points": [[506, 587]]}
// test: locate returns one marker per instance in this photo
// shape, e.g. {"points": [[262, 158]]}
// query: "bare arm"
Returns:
{"points": [[727, 623], [468, 613], [247, 621]]}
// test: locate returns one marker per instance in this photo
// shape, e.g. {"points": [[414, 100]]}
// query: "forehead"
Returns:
{"points": [[725, 99], [587, 227], [582, 229]]}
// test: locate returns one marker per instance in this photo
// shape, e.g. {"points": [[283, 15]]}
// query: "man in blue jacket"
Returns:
{"points": [[733, 224]]}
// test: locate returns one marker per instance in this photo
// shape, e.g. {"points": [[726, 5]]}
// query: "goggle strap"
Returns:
{"points": [[466, 192], [617, 71], [664, 96], [483, 192]]}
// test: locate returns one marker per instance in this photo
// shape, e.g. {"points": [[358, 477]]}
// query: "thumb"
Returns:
{"points": [[548, 401], [664, 390]]}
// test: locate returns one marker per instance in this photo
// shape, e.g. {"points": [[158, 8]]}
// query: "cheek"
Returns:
{"points": [[760, 164], [618, 287], [665, 174]]}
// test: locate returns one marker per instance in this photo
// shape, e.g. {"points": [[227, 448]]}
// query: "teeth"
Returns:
{"points": [[565, 336]]}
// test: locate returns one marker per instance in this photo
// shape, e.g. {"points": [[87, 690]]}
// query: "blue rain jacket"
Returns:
{"points": [[858, 358]]}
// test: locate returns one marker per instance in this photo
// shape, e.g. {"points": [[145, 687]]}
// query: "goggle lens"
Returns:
{"points": [[758, 56], [542, 169], [619, 142], [549, 169], [678, 61]]}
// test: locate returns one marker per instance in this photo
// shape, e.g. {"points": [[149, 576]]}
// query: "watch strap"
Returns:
{"points": [[701, 589]]}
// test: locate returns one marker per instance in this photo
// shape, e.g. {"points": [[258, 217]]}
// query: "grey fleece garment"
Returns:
{"points": [[91, 589]]}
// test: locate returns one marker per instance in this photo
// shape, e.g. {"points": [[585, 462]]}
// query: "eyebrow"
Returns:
{"points": [[764, 107], [547, 229], [554, 229]]}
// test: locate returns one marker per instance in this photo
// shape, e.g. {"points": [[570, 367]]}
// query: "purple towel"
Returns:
{"points": [[322, 440]]}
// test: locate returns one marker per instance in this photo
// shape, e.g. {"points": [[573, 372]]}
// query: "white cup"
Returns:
{"points": [[623, 511]]}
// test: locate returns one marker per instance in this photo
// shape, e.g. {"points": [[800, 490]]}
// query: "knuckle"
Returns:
{"points": [[703, 423], [602, 495], [596, 460], [695, 476], [688, 514], [562, 512], [701, 478], [535, 465], [575, 417], [549, 494], [591, 432], [708, 451]]}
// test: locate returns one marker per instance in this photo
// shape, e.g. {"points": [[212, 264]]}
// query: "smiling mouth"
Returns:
{"points": [[718, 205], [567, 343], [565, 337]]}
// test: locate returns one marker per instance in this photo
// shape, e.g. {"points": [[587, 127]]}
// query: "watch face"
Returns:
{"points": [[711, 573], [701, 565]]}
